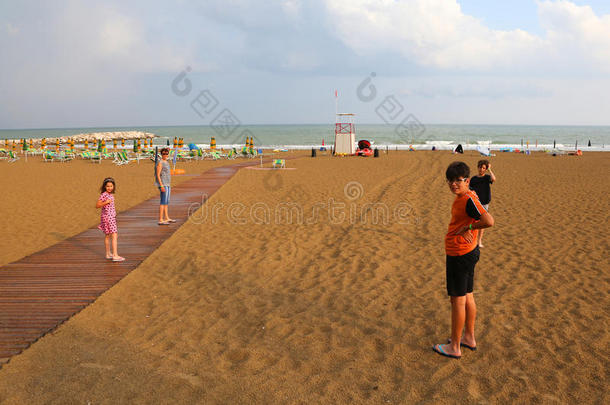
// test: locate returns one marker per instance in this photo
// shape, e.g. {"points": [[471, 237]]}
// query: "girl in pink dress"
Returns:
{"points": [[108, 218]]}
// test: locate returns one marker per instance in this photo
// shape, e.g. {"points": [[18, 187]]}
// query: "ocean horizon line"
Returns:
{"points": [[306, 124]]}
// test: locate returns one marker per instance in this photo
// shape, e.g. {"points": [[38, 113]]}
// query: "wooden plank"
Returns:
{"points": [[44, 289]]}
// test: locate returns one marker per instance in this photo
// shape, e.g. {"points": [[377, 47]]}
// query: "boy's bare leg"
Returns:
{"points": [[480, 237], [161, 213], [458, 316], [471, 315]]}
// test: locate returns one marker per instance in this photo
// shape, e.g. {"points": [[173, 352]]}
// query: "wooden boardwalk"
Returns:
{"points": [[41, 291]]}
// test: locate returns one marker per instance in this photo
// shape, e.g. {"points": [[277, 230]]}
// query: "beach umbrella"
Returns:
{"points": [[32, 143], [135, 145], [175, 142], [167, 141], [86, 144], [57, 144], [43, 143], [123, 143], [13, 145], [589, 143], [139, 144], [114, 143], [6, 143], [156, 160], [213, 144]]}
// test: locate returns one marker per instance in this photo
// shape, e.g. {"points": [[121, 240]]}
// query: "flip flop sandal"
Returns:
{"points": [[473, 348], [162, 223], [438, 349], [118, 259], [171, 220]]}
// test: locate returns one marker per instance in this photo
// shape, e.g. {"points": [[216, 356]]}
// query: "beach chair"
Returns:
{"points": [[185, 157], [63, 157], [126, 157], [12, 157], [96, 157], [279, 163], [47, 157], [3, 154], [119, 160]]}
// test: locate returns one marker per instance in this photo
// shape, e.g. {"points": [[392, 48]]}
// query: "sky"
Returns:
{"points": [[67, 64]]}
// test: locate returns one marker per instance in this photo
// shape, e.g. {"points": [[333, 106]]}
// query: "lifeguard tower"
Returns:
{"points": [[345, 134]]}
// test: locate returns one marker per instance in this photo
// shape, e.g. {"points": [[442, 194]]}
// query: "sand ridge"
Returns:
{"points": [[251, 306]]}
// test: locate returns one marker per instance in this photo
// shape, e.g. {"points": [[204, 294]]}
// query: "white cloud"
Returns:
{"points": [[114, 37], [576, 32], [432, 33], [437, 34]]}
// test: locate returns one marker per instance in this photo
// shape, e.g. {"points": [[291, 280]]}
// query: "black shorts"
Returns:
{"points": [[460, 273]]}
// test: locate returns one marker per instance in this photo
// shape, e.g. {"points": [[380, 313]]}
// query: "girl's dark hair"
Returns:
{"points": [[106, 181], [483, 162], [164, 150], [457, 170]]}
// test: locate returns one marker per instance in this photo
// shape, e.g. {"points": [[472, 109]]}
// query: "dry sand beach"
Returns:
{"points": [[248, 304]]}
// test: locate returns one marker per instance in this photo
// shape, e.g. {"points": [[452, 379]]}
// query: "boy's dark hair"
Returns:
{"points": [[165, 150], [106, 181], [456, 170], [483, 162]]}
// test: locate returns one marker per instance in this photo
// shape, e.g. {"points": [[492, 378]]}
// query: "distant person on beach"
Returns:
{"points": [[163, 181], [481, 184], [459, 149], [108, 218], [462, 254]]}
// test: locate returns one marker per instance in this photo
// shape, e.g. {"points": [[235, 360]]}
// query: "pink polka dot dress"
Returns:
{"points": [[108, 217]]}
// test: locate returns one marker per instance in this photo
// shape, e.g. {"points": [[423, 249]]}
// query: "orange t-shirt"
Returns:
{"points": [[466, 209]]}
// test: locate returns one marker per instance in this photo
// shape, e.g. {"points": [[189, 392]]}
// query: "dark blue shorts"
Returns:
{"points": [[165, 196]]}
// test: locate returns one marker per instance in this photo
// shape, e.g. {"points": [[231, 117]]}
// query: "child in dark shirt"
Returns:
{"points": [[481, 184]]}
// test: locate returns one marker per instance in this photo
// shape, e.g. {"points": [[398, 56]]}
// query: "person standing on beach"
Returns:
{"points": [[163, 182], [462, 254], [481, 184], [108, 219]]}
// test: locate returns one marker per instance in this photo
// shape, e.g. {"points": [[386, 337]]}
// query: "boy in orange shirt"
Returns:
{"points": [[467, 217]]}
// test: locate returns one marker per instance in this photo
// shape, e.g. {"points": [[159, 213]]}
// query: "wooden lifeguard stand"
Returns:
{"points": [[345, 134]]}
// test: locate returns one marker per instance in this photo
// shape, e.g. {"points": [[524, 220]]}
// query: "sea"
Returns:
{"points": [[417, 135]]}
